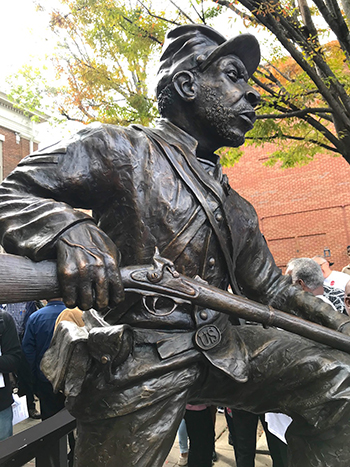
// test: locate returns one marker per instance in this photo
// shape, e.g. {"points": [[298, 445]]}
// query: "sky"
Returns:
{"points": [[26, 39], [24, 35]]}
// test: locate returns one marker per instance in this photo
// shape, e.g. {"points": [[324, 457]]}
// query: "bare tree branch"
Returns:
{"points": [[238, 12], [152, 15], [336, 22], [181, 11], [65, 115], [281, 29], [297, 113], [295, 138], [201, 17], [308, 118], [287, 78], [307, 19]]}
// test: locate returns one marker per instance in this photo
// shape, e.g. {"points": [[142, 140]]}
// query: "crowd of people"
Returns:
{"points": [[26, 330]]}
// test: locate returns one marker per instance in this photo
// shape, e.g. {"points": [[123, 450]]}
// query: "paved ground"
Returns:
{"points": [[223, 449]]}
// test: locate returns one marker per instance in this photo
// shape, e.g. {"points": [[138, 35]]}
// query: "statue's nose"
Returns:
{"points": [[252, 96]]}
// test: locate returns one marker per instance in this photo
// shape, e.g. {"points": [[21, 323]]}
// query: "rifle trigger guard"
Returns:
{"points": [[153, 309]]}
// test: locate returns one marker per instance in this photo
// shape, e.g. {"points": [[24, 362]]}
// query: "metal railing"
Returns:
{"points": [[45, 442]]}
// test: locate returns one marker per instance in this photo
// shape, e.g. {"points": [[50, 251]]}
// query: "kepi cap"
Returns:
{"points": [[198, 46]]}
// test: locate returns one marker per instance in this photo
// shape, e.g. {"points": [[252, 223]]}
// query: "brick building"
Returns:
{"points": [[17, 135], [303, 211]]}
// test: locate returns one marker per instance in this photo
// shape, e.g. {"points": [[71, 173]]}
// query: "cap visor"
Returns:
{"points": [[245, 47]]}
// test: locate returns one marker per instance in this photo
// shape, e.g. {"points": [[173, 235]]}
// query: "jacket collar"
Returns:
{"points": [[175, 136], [178, 137]]}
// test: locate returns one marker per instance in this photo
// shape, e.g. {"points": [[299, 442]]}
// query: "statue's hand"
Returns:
{"points": [[87, 267]]}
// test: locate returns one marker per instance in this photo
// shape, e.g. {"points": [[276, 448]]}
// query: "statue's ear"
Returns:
{"points": [[185, 85]]}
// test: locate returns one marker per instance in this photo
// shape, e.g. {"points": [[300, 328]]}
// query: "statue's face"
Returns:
{"points": [[226, 102]]}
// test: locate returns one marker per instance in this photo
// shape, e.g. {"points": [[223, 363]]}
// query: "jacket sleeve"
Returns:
{"points": [[261, 280], [10, 346], [38, 199]]}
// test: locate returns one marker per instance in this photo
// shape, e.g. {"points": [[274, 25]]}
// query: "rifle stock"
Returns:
{"points": [[25, 280]]}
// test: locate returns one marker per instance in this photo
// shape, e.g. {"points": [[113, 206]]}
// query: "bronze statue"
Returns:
{"points": [[143, 356]]}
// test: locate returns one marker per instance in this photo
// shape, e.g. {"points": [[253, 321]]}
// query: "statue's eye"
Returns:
{"points": [[233, 74]]}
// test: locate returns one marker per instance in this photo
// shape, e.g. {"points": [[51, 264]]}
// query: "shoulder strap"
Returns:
{"points": [[197, 189]]}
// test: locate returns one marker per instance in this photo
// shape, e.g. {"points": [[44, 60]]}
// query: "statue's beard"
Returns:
{"points": [[223, 119]]}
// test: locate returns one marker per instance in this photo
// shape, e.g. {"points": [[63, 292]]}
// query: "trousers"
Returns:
{"points": [[242, 427], [6, 428], [200, 428], [183, 437], [287, 373], [50, 403]]}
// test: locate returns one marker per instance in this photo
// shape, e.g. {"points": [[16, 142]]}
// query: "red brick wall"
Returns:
{"points": [[301, 210], [13, 152]]}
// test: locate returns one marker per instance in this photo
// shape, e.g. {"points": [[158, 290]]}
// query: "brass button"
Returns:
{"points": [[218, 217], [211, 262], [104, 359], [203, 315]]}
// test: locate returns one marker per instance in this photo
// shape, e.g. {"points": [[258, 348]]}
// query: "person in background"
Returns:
{"points": [[10, 356], [336, 297], [20, 313], [183, 443], [331, 278], [346, 269], [183, 439], [37, 338], [74, 315], [200, 430], [242, 426], [213, 410], [308, 274], [36, 341], [333, 284], [275, 426], [289, 267], [347, 298]]}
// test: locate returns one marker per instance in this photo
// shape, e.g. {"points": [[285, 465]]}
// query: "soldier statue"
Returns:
{"points": [[146, 355]]}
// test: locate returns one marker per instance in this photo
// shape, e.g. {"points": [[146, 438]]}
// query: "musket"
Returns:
{"points": [[25, 280]]}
